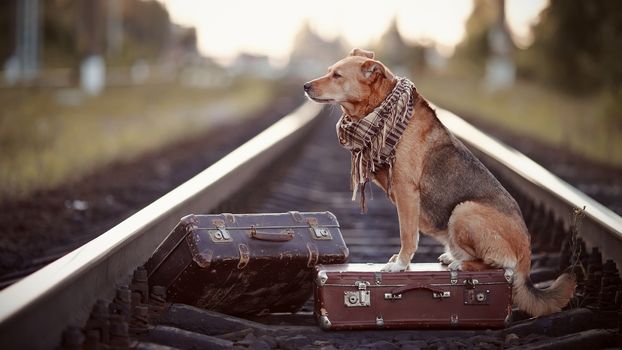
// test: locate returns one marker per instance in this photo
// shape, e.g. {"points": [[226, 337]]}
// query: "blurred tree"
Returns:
{"points": [[146, 31], [578, 45], [8, 14], [146, 27], [312, 54], [473, 51], [397, 54], [60, 33]]}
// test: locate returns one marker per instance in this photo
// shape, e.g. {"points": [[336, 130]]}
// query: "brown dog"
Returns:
{"points": [[440, 188]]}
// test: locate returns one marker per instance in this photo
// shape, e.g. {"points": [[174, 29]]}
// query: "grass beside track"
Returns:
{"points": [[44, 142], [581, 125]]}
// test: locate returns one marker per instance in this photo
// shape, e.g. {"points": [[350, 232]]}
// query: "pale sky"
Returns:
{"points": [[229, 27]]}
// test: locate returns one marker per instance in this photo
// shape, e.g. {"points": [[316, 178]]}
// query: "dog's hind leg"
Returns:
{"points": [[479, 233], [407, 203]]}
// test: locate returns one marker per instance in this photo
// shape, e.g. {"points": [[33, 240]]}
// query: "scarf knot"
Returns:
{"points": [[372, 140]]}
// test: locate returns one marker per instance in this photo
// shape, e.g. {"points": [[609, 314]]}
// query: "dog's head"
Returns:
{"points": [[358, 83]]}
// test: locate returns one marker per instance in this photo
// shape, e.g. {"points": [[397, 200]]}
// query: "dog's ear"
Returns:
{"points": [[373, 69], [362, 53]]}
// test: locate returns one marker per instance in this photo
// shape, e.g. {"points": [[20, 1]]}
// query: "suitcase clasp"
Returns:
{"points": [[358, 298], [220, 234], [317, 232]]}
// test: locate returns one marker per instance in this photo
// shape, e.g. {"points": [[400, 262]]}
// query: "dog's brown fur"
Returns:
{"points": [[441, 189]]}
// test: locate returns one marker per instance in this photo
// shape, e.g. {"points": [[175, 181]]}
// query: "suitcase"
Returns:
{"points": [[359, 296], [246, 264]]}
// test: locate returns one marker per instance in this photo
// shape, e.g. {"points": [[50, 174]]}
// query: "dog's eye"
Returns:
{"points": [[336, 75]]}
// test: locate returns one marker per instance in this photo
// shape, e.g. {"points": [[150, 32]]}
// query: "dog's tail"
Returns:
{"points": [[540, 302]]}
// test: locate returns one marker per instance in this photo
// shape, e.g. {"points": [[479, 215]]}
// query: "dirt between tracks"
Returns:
{"points": [[50, 223]]}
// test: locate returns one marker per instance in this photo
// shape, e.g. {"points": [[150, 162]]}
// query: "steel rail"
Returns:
{"points": [[35, 310], [602, 227]]}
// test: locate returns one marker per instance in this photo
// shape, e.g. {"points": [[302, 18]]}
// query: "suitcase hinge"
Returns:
{"points": [[358, 298], [453, 275], [509, 275], [318, 232], [378, 277]]}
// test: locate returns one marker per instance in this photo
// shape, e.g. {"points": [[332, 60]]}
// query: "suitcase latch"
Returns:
{"points": [[318, 232], [476, 296], [358, 298], [220, 234]]}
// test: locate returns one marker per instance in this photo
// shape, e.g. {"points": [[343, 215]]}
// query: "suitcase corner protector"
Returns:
{"points": [[325, 323], [321, 278], [189, 219]]}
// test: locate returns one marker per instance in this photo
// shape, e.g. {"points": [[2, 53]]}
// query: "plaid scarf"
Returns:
{"points": [[372, 140]]}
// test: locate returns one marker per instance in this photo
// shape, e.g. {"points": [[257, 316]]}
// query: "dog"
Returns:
{"points": [[439, 187]]}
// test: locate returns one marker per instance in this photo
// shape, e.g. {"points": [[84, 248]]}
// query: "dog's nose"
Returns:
{"points": [[307, 87]]}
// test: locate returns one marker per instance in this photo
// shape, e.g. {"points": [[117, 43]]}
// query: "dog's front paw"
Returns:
{"points": [[446, 258], [395, 266], [455, 265]]}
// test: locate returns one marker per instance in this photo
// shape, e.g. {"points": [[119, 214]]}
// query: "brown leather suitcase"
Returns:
{"points": [[359, 296], [246, 263]]}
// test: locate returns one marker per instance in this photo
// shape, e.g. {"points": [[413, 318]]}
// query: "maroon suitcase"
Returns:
{"points": [[359, 296], [246, 263]]}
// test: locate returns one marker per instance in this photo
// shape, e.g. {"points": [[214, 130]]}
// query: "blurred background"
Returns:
{"points": [[87, 83]]}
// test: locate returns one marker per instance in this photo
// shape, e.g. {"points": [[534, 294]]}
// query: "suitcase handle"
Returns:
{"points": [[282, 236], [436, 292]]}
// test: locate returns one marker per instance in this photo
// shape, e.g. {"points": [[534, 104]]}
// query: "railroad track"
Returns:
{"points": [[85, 298]]}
